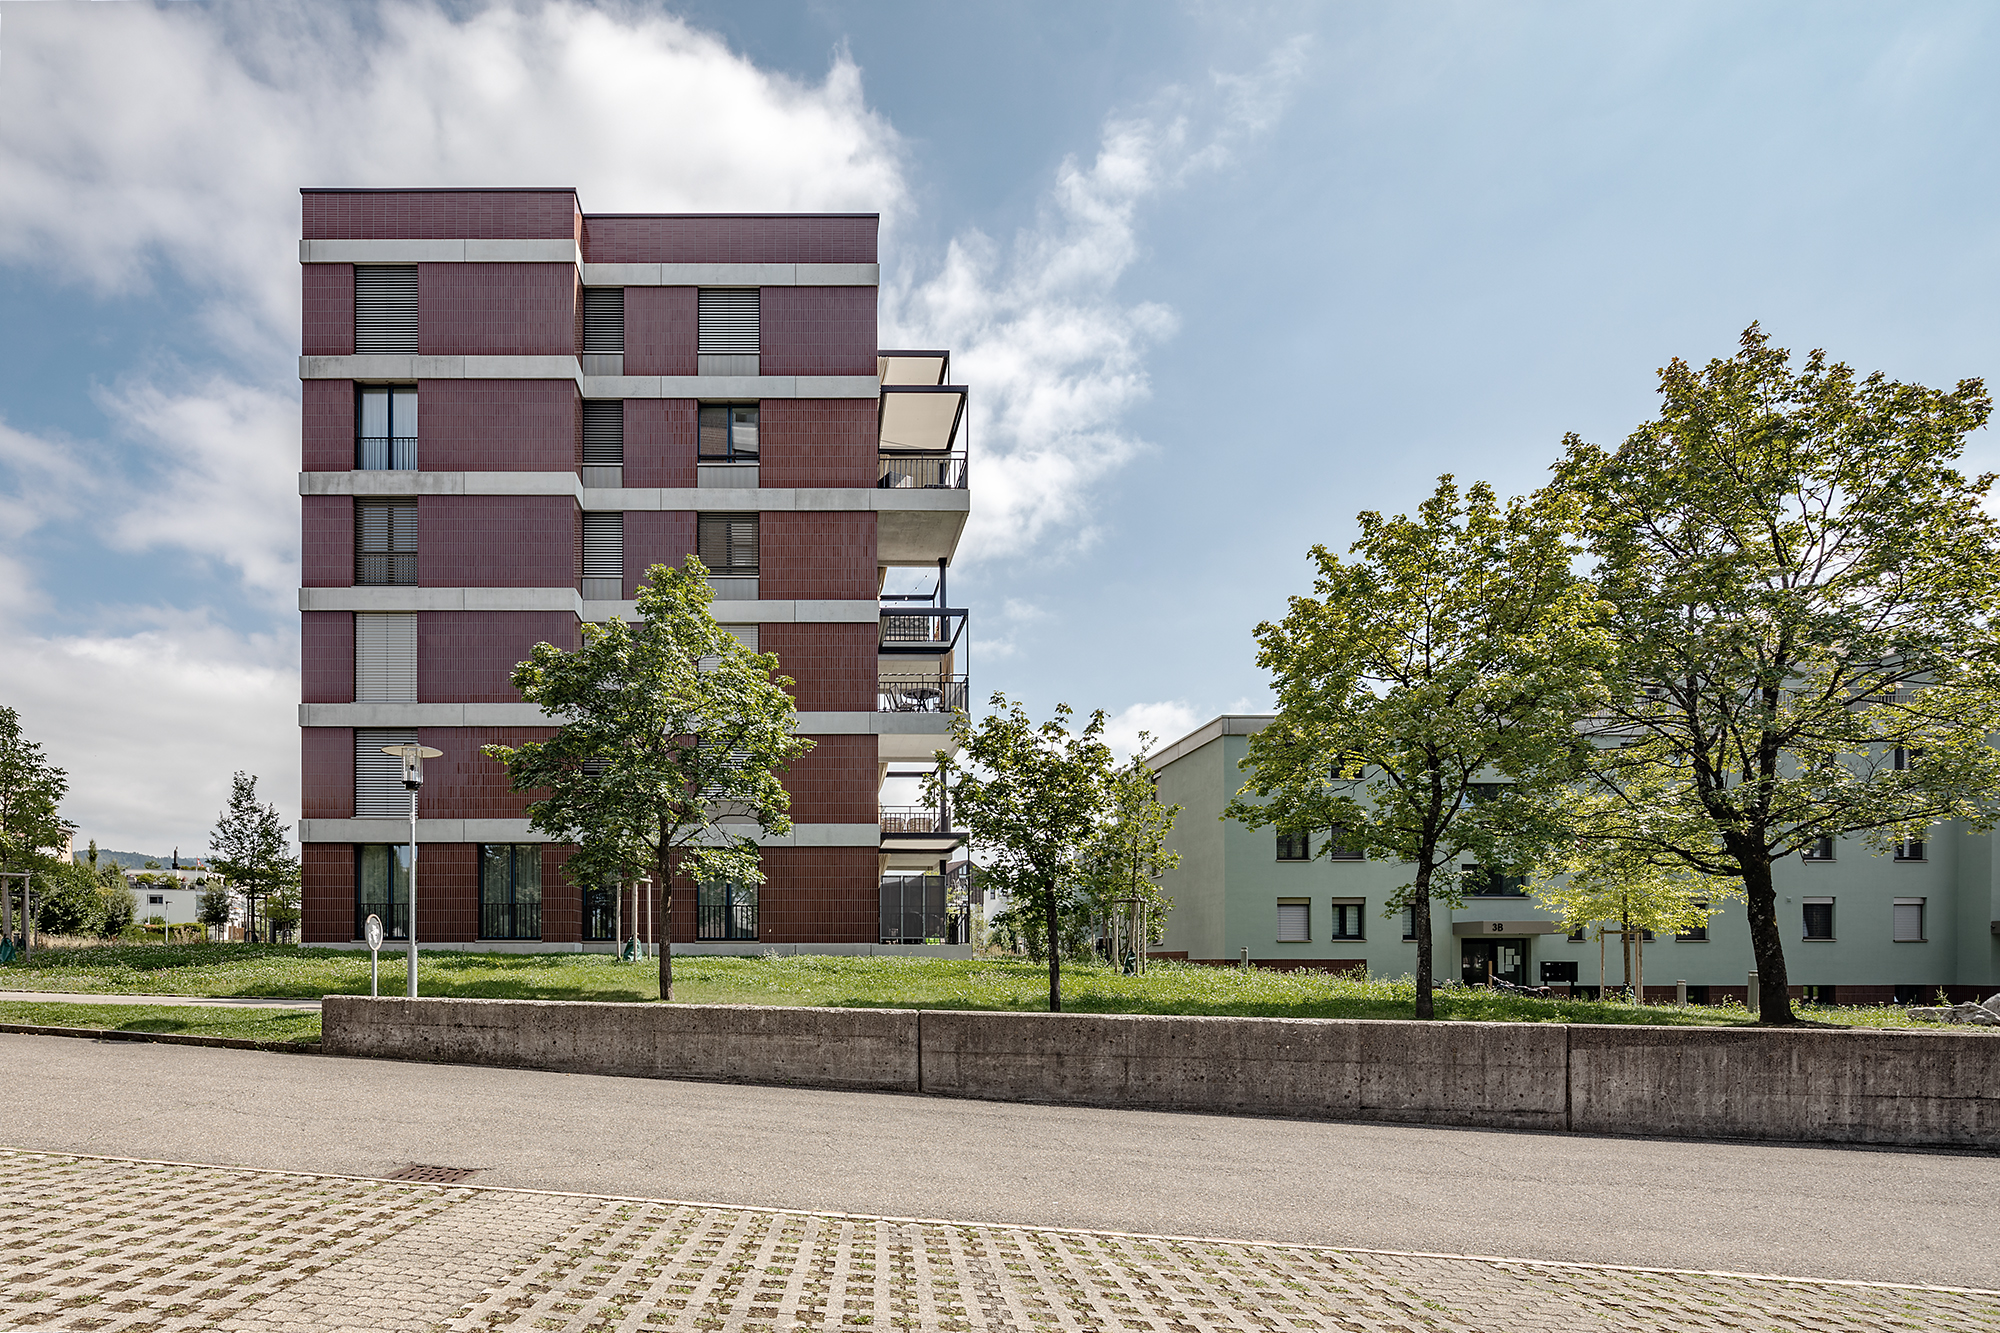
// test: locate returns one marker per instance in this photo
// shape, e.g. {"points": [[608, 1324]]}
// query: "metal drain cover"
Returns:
{"points": [[436, 1175]]}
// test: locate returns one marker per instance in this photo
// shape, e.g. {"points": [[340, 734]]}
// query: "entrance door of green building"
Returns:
{"points": [[1507, 959]]}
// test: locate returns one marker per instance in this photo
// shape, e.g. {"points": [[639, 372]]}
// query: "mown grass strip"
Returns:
{"points": [[294, 1026]]}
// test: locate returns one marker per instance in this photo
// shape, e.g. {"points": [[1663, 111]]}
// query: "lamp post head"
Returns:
{"points": [[413, 756]]}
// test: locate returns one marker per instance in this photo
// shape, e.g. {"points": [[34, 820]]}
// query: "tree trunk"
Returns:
{"points": [[1774, 992], [1420, 925], [1055, 958], [666, 907]]}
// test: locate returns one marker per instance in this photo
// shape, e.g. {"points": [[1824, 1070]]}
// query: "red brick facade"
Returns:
{"points": [[660, 331], [832, 666], [440, 215], [465, 784], [327, 523], [498, 426], [326, 649], [327, 426], [469, 656], [327, 762], [659, 441], [496, 541], [496, 309], [814, 554], [817, 442], [730, 238], [327, 312], [816, 331]]}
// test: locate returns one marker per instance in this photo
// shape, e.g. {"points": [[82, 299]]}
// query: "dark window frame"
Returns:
{"points": [[394, 565], [1694, 934], [732, 448], [1294, 846], [507, 916], [726, 910], [1817, 920], [730, 544], [395, 908], [395, 450], [1347, 920], [1821, 850]]}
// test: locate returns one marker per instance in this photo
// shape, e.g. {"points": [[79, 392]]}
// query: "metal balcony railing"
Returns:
{"points": [[914, 819], [377, 570], [921, 694], [920, 629], [395, 918], [510, 921], [921, 471], [387, 453]]}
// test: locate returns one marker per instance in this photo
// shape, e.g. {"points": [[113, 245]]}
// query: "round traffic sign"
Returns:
{"points": [[372, 931]]}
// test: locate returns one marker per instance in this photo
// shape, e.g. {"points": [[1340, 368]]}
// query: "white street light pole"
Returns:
{"points": [[413, 756]]}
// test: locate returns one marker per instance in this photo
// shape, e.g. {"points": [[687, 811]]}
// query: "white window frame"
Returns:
{"points": [[1896, 935]]}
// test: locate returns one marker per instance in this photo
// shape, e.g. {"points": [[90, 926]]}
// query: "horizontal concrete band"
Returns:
{"points": [[401, 367], [517, 830], [669, 498], [556, 251], [380, 714], [800, 612], [1911, 1089]]}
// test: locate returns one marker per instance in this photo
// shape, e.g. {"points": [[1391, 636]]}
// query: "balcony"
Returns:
{"points": [[913, 470], [386, 453], [916, 828], [916, 625], [920, 909], [921, 694]]}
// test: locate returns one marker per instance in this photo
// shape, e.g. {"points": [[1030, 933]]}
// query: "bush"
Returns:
{"points": [[67, 903]]}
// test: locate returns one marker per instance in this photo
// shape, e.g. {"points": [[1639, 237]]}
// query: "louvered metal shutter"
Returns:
{"points": [[378, 777], [385, 542], [604, 320], [385, 657], [1909, 920], [727, 321], [604, 433], [385, 308], [1294, 923], [604, 546], [727, 543]]}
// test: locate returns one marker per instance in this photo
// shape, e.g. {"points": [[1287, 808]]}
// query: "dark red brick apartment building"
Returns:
{"points": [[512, 409]]}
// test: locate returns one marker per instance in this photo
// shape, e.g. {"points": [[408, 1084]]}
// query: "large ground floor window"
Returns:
{"points": [[726, 911], [510, 891], [600, 914], [382, 888]]}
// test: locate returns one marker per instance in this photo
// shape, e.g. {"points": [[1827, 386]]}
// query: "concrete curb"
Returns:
{"points": [[165, 1038]]}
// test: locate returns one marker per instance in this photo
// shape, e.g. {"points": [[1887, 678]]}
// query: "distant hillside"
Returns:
{"points": [[131, 860]]}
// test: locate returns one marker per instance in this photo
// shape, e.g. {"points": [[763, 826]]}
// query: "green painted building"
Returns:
{"points": [[1859, 927]]}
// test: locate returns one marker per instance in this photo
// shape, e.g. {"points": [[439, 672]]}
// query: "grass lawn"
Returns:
{"points": [[295, 1025], [904, 983]]}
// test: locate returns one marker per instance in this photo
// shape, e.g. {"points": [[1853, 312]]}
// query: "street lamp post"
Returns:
{"points": [[413, 756]]}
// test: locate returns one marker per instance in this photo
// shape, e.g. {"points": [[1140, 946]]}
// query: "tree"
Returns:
{"points": [[31, 793], [284, 911], [1804, 591], [250, 846], [1034, 799], [120, 905], [67, 902], [1127, 852], [672, 736], [1450, 658], [213, 906]]}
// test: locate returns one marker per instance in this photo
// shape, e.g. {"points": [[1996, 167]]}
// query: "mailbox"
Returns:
{"points": [[1559, 974]]}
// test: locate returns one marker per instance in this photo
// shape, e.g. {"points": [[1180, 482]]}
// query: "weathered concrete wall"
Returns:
{"points": [[1503, 1075], [1911, 1088], [834, 1048]]}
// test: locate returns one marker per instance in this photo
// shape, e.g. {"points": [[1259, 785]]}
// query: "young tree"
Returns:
{"points": [[1033, 798], [671, 736], [1127, 853], [1450, 657], [120, 905], [67, 902], [251, 847], [32, 828], [213, 906], [1804, 591], [284, 911]]}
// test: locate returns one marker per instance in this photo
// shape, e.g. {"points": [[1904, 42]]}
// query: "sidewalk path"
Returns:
{"points": [[117, 1245], [226, 1001]]}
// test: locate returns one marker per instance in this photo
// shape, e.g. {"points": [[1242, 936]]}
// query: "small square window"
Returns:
{"points": [[1346, 921], [1294, 846], [1908, 921], [1409, 923], [1695, 934], [1819, 918], [1294, 921], [1576, 936], [1822, 850], [1910, 849]]}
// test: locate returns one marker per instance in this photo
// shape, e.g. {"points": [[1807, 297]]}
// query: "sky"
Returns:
{"points": [[1220, 276]]}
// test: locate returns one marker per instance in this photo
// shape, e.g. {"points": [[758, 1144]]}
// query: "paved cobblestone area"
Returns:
{"points": [[124, 1247]]}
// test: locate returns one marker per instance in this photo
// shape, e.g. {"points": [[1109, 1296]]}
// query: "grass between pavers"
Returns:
{"points": [[836, 981], [287, 1025]]}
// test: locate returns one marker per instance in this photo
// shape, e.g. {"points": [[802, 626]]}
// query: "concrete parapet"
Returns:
{"points": [[832, 1048], [1802, 1084]]}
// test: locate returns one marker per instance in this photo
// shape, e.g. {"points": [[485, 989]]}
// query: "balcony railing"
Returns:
{"points": [[395, 918], [921, 471], [921, 694], [373, 569], [914, 819], [922, 629], [510, 921], [913, 909], [387, 453]]}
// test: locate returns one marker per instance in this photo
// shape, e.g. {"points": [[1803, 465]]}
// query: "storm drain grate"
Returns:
{"points": [[436, 1175]]}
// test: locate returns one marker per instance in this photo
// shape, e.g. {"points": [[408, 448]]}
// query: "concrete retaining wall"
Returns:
{"points": [[1912, 1089]]}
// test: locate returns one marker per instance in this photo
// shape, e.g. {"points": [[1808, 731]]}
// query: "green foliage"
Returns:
{"points": [[1800, 583], [250, 844], [1452, 653], [119, 904], [32, 828], [68, 902], [668, 728], [285, 910], [212, 907], [1126, 853], [1033, 798]]}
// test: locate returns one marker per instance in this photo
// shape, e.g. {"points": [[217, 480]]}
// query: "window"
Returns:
{"points": [[510, 891], [156, 900], [382, 888], [379, 792], [385, 308], [726, 911], [385, 657], [1484, 883], [1576, 936], [726, 321], [1911, 849], [600, 914], [1294, 846], [1904, 758], [1819, 918], [727, 543], [1294, 921], [385, 428], [1482, 792], [604, 321], [1346, 921], [1409, 923], [603, 557], [1821, 850], [727, 432], [1337, 851], [385, 542], [604, 432], [1695, 934], [1909, 921]]}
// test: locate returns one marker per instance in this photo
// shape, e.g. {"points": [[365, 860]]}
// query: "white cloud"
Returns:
{"points": [[1055, 355], [44, 480], [1163, 723]]}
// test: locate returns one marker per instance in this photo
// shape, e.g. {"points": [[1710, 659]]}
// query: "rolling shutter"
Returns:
{"points": [[378, 778], [1909, 920], [604, 320], [385, 308], [385, 657], [1294, 923], [726, 320], [604, 546], [727, 543], [604, 432]]}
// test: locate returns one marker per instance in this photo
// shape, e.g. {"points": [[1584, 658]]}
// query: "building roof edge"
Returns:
{"points": [[1225, 724]]}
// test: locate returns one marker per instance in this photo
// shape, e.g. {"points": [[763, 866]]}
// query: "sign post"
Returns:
{"points": [[413, 756], [371, 930]]}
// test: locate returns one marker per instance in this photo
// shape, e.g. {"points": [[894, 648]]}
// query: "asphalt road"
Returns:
{"points": [[1920, 1217]]}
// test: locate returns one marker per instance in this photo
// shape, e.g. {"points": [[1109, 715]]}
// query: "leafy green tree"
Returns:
{"points": [[120, 905], [1034, 798], [32, 828], [1804, 590], [1127, 852], [68, 902], [251, 846], [213, 906], [671, 738], [284, 912], [1449, 658]]}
